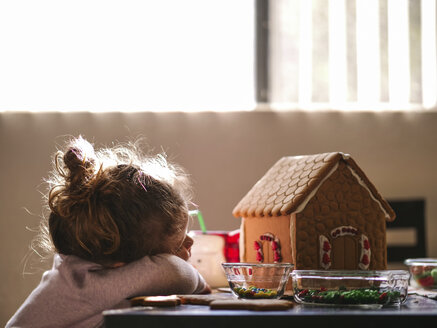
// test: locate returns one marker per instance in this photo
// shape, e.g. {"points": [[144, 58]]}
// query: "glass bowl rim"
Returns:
{"points": [[421, 261], [260, 265], [400, 272], [343, 273]]}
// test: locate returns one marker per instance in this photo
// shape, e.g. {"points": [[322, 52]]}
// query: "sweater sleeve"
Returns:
{"points": [[75, 292], [162, 274]]}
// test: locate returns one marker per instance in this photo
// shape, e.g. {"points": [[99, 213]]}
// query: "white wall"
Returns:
{"points": [[226, 153]]}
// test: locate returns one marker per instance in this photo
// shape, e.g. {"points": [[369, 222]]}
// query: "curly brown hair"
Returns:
{"points": [[115, 205]]}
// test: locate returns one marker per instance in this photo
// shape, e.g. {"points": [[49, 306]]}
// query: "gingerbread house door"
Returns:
{"points": [[345, 253], [345, 249]]}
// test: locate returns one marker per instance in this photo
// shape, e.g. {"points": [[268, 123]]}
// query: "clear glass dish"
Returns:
{"points": [[344, 288], [257, 280], [401, 280], [423, 271]]}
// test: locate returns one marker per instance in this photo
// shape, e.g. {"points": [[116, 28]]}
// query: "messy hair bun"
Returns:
{"points": [[80, 161], [114, 205]]}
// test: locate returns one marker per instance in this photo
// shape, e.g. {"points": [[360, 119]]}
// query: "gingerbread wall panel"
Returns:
{"points": [[341, 202], [259, 235]]}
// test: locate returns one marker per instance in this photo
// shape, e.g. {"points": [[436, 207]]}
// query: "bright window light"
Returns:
{"points": [[337, 52], [364, 54], [305, 53], [128, 55], [398, 52], [429, 53], [368, 65]]}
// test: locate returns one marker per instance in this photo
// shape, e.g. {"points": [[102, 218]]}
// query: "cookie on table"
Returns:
{"points": [[203, 299], [254, 305], [162, 301]]}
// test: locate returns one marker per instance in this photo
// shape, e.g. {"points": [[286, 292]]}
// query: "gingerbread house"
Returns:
{"points": [[316, 211]]}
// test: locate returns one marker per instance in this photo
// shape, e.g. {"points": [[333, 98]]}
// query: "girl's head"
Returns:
{"points": [[116, 205]]}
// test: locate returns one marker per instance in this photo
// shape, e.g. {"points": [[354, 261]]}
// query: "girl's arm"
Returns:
{"points": [[163, 274]]}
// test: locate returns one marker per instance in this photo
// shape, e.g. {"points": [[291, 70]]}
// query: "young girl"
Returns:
{"points": [[117, 224]]}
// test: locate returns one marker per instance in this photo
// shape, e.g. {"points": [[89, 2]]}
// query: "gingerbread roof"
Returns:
{"points": [[290, 183]]}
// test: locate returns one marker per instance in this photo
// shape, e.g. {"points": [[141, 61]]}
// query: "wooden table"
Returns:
{"points": [[417, 312]]}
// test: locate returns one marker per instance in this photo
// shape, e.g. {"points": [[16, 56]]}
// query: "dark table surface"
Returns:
{"points": [[417, 312]]}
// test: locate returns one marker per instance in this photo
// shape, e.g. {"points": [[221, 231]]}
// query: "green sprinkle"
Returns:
{"points": [[344, 296]]}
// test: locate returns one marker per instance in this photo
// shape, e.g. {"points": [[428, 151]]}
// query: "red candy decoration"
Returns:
{"points": [[326, 246], [276, 257], [365, 259], [366, 244], [256, 245], [259, 257], [326, 259], [275, 245]]}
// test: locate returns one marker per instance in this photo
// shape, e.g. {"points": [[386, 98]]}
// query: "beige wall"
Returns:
{"points": [[226, 153]]}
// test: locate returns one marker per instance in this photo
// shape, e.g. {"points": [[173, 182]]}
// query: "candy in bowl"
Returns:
{"points": [[257, 280], [423, 271], [401, 280], [345, 288]]}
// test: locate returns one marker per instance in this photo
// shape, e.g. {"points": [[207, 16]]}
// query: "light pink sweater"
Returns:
{"points": [[75, 292]]}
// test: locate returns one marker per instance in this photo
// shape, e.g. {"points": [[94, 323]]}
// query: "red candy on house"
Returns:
{"points": [[259, 257], [326, 259], [277, 257], [326, 246], [275, 245]]}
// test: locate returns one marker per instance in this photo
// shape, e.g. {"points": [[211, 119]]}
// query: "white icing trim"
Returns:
{"points": [[345, 156], [364, 252], [301, 207], [270, 239], [242, 242], [352, 231], [292, 228], [259, 252], [361, 182], [322, 240]]}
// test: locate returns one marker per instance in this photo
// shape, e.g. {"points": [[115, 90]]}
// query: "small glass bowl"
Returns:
{"points": [[344, 288], [423, 271], [401, 279], [257, 280]]}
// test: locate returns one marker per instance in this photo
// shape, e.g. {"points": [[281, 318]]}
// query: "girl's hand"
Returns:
{"points": [[206, 290], [184, 252]]}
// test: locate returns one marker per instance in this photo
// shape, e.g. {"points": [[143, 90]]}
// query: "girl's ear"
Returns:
{"points": [[184, 252]]}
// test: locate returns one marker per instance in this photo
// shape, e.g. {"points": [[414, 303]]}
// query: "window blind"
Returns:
{"points": [[352, 54]]}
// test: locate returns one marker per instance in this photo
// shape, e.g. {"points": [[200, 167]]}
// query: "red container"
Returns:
{"points": [[231, 250]]}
